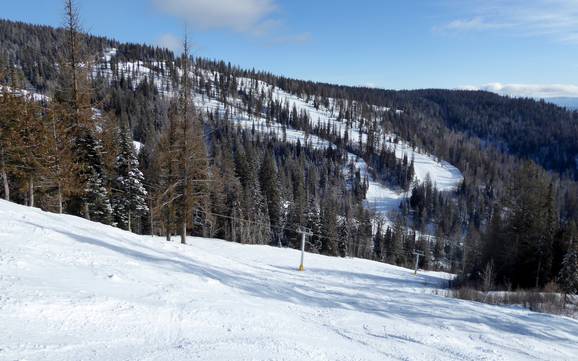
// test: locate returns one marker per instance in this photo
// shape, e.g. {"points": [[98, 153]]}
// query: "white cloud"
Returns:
{"points": [[245, 16], [553, 19], [170, 42], [475, 23], [529, 90], [297, 39]]}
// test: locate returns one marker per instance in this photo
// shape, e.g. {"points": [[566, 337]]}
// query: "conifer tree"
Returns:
{"points": [[192, 169], [88, 194], [343, 237], [29, 137], [396, 254], [130, 195], [95, 196], [378, 242], [329, 228], [268, 180], [313, 218], [568, 276], [58, 158], [258, 230], [8, 126]]}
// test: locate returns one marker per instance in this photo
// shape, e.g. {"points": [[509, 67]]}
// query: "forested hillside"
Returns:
{"points": [[251, 157]]}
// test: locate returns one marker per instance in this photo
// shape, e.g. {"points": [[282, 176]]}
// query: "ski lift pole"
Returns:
{"points": [[304, 232]]}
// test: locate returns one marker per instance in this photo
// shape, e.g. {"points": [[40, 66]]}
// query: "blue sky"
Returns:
{"points": [[509, 46]]}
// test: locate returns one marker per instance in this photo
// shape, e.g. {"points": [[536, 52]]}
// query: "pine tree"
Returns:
{"points": [[88, 193], [22, 144], [192, 169], [95, 196], [568, 276], [30, 134], [130, 195], [268, 181], [59, 160], [258, 230], [378, 243], [343, 237], [166, 164], [396, 254], [329, 228], [313, 218], [8, 126]]}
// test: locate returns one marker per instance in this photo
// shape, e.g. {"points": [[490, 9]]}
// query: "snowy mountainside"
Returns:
{"points": [[25, 93], [380, 197], [77, 290]]}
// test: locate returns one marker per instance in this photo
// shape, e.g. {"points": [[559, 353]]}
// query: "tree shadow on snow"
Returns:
{"points": [[364, 293]]}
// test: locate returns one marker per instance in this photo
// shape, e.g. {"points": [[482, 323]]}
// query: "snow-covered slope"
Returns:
{"points": [[76, 290], [380, 197], [25, 93]]}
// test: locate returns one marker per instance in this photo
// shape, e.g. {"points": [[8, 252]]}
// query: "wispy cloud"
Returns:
{"points": [[529, 90], [297, 39], [238, 15], [554, 19], [474, 24], [256, 18]]}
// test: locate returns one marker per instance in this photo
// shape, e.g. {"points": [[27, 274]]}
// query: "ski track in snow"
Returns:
{"points": [[77, 290]]}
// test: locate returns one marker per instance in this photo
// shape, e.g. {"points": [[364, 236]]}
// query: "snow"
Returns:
{"points": [[380, 197], [77, 290], [25, 93], [109, 53], [137, 146], [445, 176]]}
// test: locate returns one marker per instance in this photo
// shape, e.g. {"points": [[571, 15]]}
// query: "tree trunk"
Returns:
{"points": [[4, 176], [86, 211], [184, 233], [59, 198], [185, 155], [6, 185], [129, 224], [151, 215], [168, 225], [31, 191]]}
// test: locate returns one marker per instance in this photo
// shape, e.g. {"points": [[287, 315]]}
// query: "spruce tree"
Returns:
{"points": [[130, 195], [8, 127], [329, 228], [268, 181], [95, 196], [343, 237], [568, 276], [87, 193], [314, 224]]}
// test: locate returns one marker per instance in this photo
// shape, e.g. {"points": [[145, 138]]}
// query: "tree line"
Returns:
{"points": [[197, 174]]}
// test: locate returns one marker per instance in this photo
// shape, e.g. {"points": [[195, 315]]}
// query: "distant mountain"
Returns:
{"points": [[566, 102]]}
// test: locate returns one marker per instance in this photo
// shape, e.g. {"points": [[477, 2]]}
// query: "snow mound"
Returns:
{"points": [[76, 290]]}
